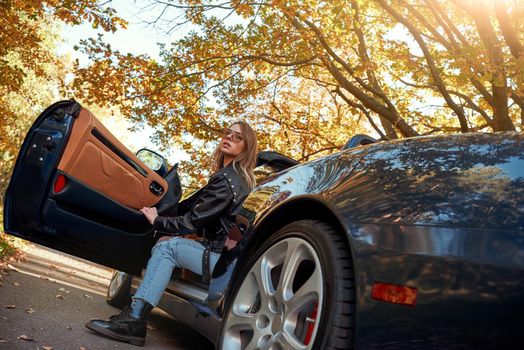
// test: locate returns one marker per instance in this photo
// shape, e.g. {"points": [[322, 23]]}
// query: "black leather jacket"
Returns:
{"points": [[211, 211]]}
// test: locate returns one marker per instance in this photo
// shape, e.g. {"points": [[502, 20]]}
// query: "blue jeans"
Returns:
{"points": [[165, 256]]}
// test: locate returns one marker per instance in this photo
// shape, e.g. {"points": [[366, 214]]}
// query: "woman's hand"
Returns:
{"points": [[150, 214]]}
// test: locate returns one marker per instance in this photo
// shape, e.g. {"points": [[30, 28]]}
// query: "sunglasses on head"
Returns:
{"points": [[236, 137]]}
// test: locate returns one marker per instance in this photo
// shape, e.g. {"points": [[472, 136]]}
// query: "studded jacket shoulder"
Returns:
{"points": [[212, 210]]}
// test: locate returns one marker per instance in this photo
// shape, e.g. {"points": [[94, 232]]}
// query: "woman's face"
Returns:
{"points": [[232, 143]]}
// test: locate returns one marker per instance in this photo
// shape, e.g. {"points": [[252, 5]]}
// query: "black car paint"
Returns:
{"points": [[441, 214], [38, 156]]}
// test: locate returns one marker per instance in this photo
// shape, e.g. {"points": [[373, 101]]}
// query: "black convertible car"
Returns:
{"points": [[416, 243]]}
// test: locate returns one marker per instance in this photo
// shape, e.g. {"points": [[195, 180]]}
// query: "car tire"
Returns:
{"points": [[283, 301], [119, 289]]}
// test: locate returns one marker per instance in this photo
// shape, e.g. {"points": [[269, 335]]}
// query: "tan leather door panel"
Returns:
{"points": [[88, 159]]}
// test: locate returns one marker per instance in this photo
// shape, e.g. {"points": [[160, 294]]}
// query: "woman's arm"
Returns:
{"points": [[214, 200]]}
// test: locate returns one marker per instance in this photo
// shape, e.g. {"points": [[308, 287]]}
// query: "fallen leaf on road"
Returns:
{"points": [[88, 296], [1, 284], [12, 306], [60, 296], [69, 328], [25, 337], [29, 310], [82, 348], [3, 341], [16, 284], [62, 289], [47, 347]]}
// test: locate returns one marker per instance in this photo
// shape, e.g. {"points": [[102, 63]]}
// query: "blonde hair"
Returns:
{"points": [[246, 160]]}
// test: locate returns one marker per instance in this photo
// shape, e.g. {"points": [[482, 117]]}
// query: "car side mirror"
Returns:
{"points": [[153, 160]]}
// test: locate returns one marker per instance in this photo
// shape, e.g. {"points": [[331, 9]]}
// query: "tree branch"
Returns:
{"points": [[474, 106], [370, 102], [516, 48], [431, 65], [363, 54], [452, 31], [479, 12], [281, 64], [364, 111]]}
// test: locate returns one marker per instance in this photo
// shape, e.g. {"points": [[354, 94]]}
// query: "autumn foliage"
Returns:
{"points": [[307, 74], [31, 74]]}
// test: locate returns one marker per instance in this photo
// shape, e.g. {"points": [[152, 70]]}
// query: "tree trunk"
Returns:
{"points": [[501, 119], [435, 74], [388, 128], [363, 54]]}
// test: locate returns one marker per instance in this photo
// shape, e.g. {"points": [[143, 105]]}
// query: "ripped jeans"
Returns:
{"points": [[165, 256]]}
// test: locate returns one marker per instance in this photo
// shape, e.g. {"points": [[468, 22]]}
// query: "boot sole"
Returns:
{"points": [[133, 340]]}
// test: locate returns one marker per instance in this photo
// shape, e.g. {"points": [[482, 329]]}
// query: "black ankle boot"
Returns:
{"points": [[128, 326]]}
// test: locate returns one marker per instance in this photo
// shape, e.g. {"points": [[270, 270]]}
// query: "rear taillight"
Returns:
{"points": [[394, 294], [60, 183]]}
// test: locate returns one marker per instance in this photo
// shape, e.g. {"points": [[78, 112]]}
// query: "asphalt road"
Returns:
{"points": [[46, 298]]}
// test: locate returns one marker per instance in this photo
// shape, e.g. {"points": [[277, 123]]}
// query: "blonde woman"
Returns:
{"points": [[210, 213]]}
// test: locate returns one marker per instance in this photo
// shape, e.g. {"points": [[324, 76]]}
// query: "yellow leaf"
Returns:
{"points": [[25, 337]]}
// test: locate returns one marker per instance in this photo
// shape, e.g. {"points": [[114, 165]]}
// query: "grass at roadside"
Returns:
{"points": [[8, 246]]}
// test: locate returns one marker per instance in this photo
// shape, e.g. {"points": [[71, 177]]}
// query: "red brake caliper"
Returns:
{"points": [[311, 319]]}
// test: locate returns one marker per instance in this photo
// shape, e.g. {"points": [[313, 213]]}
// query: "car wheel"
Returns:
{"points": [[118, 292], [297, 292]]}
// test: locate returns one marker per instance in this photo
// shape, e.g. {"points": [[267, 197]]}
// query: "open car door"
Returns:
{"points": [[77, 189]]}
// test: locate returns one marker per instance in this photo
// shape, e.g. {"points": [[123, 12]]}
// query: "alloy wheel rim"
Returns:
{"points": [[278, 302], [116, 282]]}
